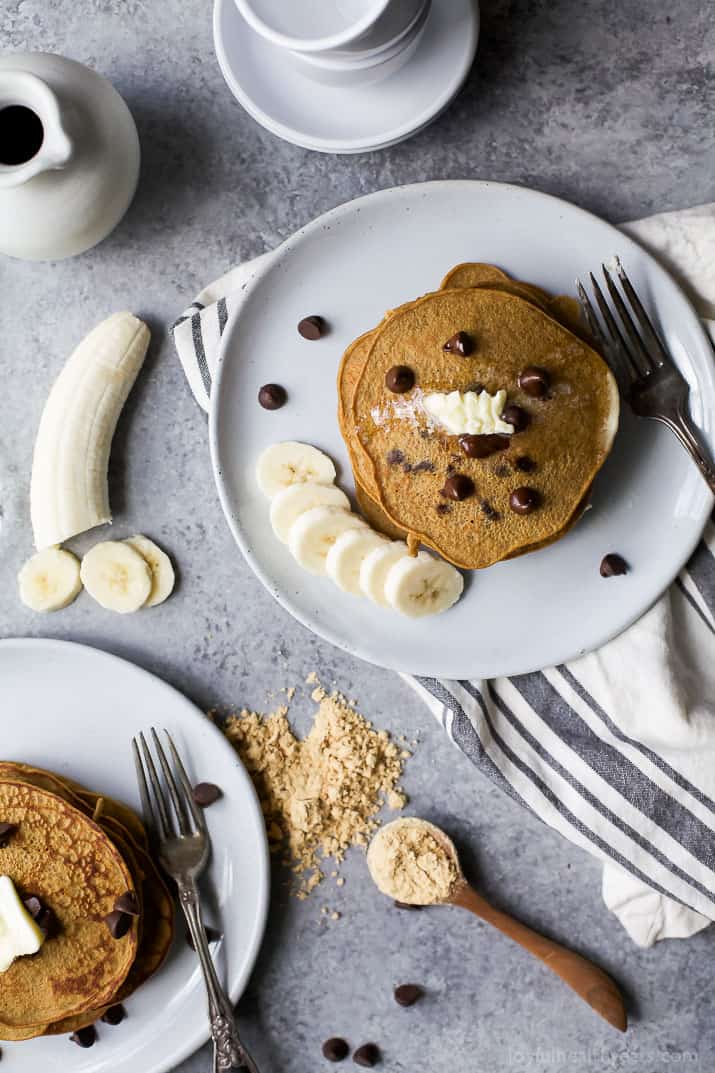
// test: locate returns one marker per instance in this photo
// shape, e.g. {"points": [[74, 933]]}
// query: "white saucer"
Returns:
{"points": [[274, 90]]}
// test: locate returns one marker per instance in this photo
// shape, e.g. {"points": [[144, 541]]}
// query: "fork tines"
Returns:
{"points": [[170, 809]]}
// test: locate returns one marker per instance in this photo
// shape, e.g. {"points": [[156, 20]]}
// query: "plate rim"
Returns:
{"points": [[237, 984], [318, 223]]}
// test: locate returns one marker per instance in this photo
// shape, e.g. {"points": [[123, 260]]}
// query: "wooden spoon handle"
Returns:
{"points": [[593, 985]]}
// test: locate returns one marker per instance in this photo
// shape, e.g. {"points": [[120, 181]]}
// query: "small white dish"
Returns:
{"points": [[301, 109], [650, 503], [314, 25], [74, 709]]}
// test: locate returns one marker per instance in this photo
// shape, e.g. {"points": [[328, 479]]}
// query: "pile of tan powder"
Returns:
{"points": [[321, 794]]}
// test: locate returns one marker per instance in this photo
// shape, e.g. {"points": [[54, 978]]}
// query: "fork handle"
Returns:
{"points": [[691, 439], [229, 1052]]}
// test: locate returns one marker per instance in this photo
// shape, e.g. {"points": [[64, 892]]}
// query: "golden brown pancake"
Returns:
{"points": [[568, 437]]}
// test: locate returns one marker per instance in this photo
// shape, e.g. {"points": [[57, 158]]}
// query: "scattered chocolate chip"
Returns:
{"points": [[483, 446], [84, 1037], [441, 508], [118, 923], [459, 486], [501, 471], [399, 379], [127, 903], [424, 467], [534, 381], [488, 511], [272, 396], [525, 464], [408, 994], [460, 343], [524, 500], [312, 327], [205, 793], [613, 565], [335, 1049], [406, 905], [515, 416], [368, 1055], [7, 830], [395, 457], [477, 388], [212, 936], [114, 1015]]}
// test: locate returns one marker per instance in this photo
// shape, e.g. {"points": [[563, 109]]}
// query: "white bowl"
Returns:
{"points": [[312, 25]]}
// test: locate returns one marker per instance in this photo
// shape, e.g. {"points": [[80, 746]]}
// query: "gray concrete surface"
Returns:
{"points": [[608, 104]]}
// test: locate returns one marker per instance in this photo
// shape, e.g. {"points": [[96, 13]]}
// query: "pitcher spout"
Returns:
{"points": [[33, 138]]}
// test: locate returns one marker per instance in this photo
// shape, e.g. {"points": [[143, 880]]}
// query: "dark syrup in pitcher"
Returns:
{"points": [[21, 134]]}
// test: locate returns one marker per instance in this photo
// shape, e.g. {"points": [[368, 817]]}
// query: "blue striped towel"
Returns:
{"points": [[617, 749]]}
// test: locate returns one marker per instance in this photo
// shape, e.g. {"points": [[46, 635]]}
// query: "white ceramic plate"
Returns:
{"points": [[275, 90], [649, 502], [74, 710]]}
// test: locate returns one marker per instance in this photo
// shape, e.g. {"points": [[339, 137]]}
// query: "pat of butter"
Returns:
{"points": [[478, 414], [19, 934]]}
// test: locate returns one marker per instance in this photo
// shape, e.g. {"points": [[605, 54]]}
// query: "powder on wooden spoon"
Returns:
{"points": [[411, 864]]}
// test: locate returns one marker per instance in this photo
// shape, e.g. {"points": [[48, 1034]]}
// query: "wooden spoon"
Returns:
{"points": [[589, 981]]}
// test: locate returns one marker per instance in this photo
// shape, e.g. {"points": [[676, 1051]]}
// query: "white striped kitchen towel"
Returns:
{"points": [[616, 750]]}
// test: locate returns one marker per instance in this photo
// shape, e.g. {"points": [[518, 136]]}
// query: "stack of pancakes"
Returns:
{"points": [[79, 855], [401, 460]]}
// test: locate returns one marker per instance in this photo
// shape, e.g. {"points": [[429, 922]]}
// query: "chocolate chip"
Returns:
{"points": [[335, 1049], [424, 467], [127, 903], [408, 994], [312, 327], [368, 1055], [501, 471], [483, 446], [460, 343], [525, 464], [118, 923], [395, 457], [212, 936], [524, 500], [272, 396], [613, 565], [399, 379], [515, 416], [488, 511], [43, 917], [85, 1037], [534, 381], [459, 486], [114, 1015], [406, 905], [33, 905], [205, 793], [7, 830], [443, 508]]}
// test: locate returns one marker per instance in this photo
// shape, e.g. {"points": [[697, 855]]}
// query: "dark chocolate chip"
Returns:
{"points": [[118, 923], [525, 464], [534, 381], [424, 467], [127, 903], [33, 905], [43, 917], [399, 379], [212, 936], [205, 793], [488, 511], [408, 994], [613, 565], [524, 500], [406, 905], [443, 508], [335, 1049], [501, 471], [7, 830], [483, 446], [459, 486], [460, 343], [84, 1037], [272, 396], [368, 1055], [395, 457], [515, 416], [312, 327], [114, 1015]]}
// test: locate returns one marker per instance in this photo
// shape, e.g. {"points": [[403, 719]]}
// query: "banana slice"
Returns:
{"points": [[117, 576], [374, 568], [313, 534], [343, 561], [284, 464], [295, 500], [49, 580], [422, 585], [162, 571]]}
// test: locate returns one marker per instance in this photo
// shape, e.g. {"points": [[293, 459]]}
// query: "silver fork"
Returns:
{"points": [[183, 846], [647, 375]]}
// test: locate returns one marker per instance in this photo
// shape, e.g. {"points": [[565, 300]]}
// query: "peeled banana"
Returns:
{"points": [[49, 580]]}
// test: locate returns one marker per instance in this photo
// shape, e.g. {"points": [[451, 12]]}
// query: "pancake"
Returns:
{"points": [[70, 863], [569, 435]]}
